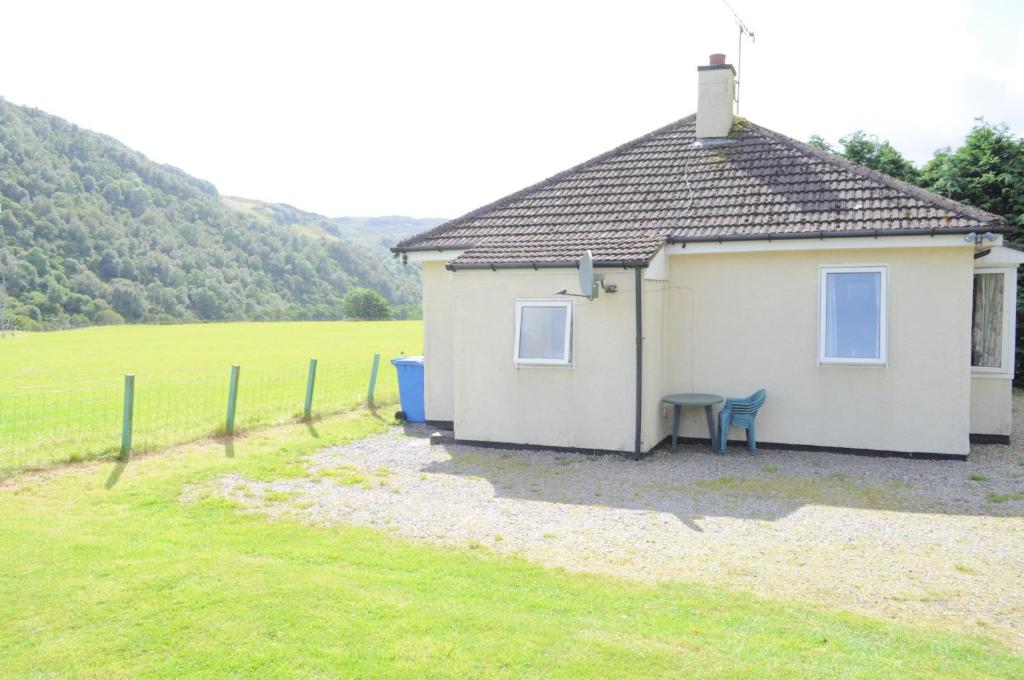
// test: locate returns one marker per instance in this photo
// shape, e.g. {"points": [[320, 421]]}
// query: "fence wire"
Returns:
{"points": [[54, 424], [83, 421]]}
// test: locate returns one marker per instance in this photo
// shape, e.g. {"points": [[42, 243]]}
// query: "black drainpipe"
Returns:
{"points": [[639, 360]]}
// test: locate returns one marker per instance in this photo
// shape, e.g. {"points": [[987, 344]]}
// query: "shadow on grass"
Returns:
{"points": [[116, 473], [382, 414]]}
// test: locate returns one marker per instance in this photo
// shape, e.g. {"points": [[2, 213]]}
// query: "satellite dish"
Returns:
{"points": [[588, 283], [591, 284]]}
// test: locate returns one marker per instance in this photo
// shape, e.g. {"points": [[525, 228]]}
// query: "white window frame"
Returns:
{"points": [[1009, 330], [567, 348], [883, 325]]}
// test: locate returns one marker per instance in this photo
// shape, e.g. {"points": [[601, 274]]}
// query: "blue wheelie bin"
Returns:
{"points": [[410, 388]]}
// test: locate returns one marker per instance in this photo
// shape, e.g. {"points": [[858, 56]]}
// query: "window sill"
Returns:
{"points": [[542, 364], [868, 363], [994, 375]]}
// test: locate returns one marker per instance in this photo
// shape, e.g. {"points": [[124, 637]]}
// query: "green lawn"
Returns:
{"points": [[106, 572], [61, 393]]}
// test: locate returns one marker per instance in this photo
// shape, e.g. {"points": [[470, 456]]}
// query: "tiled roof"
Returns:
{"points": [[611, 247], [624, 204]]}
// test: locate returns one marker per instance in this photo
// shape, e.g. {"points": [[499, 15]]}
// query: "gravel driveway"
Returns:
{"points": [[919, 541]]}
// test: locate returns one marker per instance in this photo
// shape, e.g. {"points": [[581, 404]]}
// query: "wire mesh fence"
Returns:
{"points": [[59, 424], [81, 421]]}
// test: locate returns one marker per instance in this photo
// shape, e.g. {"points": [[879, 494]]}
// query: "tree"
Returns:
{"points": [[878, 154], [82, 212], [128, 299], [870, 151], [109, 265], [208, 304], [986, 172], [818, 142], [365, 304], [107, 317], [37, 258]]}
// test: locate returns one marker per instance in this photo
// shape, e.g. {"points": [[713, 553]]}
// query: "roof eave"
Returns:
{"points": [[398, 248], [1002, 228], [494, 266]]}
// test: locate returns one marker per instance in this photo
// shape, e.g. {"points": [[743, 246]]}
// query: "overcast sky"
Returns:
{"points": [[435, 108]]}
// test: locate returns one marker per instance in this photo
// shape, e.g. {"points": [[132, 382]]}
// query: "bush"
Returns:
{"points": [[366, 305], [108, 317], [25, 323], [403, 312]]}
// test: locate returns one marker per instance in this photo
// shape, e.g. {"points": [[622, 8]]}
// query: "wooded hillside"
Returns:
{"points": [[94, 232]]}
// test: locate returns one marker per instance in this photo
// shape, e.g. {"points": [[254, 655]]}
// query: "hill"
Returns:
{"points": [[391, 229], [377, 232], [92, 231]]}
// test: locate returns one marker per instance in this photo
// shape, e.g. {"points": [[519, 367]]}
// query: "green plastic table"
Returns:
{"points": [[680, 401]]}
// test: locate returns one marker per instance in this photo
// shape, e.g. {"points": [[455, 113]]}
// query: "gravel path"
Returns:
{"points": [[920, 541]]}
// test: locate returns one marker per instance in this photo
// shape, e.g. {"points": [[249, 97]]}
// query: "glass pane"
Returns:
{"points": [[853, 308], [542, 333], [987, 321]]}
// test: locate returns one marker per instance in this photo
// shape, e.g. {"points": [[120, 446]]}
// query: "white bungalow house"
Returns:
{"points": [[880, 317]]}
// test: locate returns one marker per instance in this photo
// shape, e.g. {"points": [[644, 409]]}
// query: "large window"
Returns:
{"points": [[991, 321], [852, 315], [544, 332]]}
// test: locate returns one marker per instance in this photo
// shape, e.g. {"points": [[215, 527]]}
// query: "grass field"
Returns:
{"points": [[61, 393], [132, 570]]}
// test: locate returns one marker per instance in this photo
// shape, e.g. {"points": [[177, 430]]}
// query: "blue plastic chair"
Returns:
{"points": [[740, 413]]}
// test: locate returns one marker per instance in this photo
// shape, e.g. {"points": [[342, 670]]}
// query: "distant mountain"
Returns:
{"points": [[392, 228], [94, 232], [379, 232]]}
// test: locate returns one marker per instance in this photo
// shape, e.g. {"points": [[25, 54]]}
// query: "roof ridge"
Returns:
{"points": [[937, 200], [501, 202]]}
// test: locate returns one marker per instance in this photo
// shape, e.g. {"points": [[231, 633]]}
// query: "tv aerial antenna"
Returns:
{"points": [[743, 31]]}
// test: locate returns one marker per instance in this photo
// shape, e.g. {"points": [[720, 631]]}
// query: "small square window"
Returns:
{"points": [[543, 332], [852, 328]]}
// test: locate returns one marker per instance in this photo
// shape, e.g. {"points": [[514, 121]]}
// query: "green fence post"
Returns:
{"points": [[373, 379], [308, 411], [229, 426], [128, 414]]}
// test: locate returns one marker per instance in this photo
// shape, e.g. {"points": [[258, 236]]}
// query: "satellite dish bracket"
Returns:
{"points": [[591, 282], [600, 285]]}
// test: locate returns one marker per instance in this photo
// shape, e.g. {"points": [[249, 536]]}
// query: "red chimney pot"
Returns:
{"points": [[717, 59]]}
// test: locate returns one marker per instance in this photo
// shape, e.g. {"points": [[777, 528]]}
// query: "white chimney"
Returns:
{"points": [[716, 98]]}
